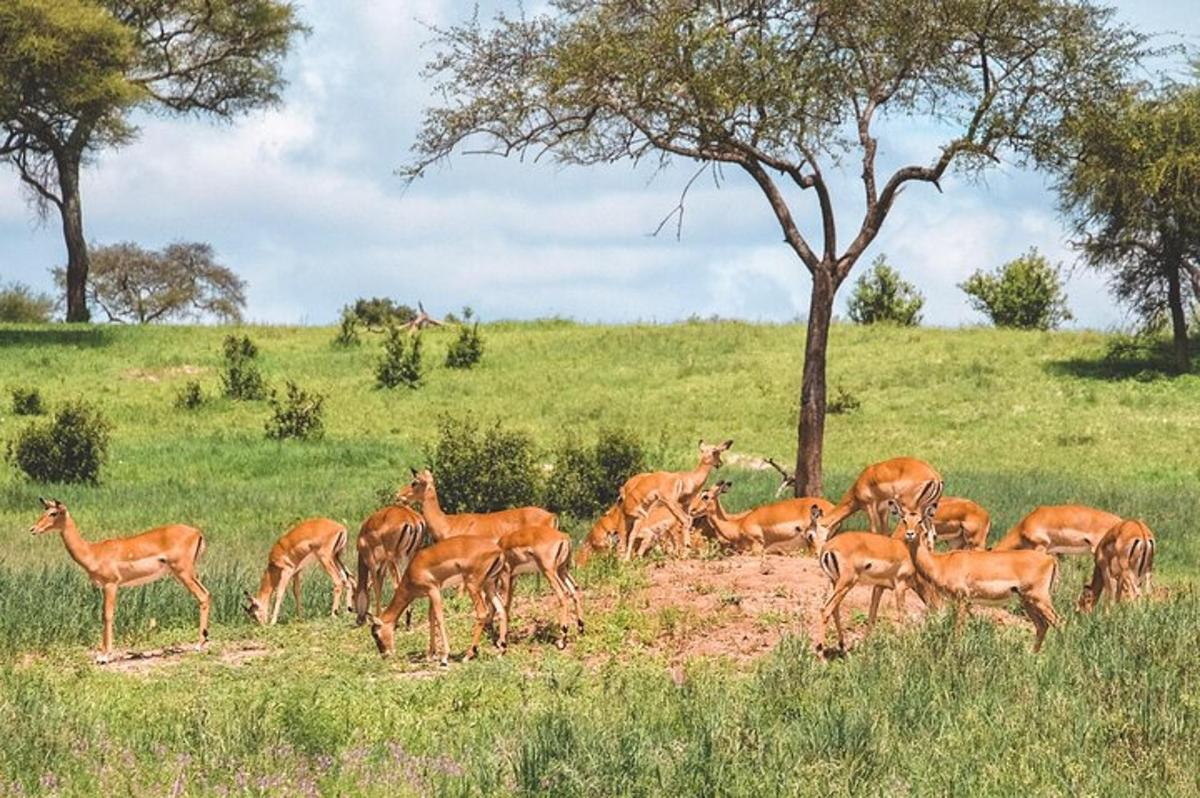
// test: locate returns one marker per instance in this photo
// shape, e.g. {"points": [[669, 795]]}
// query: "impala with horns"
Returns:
{"points": [[1060, 529], [128, 562], [545, 550], [319, 540], [387, 540], [671, 486], [773, 528], [853, 558], [1124, 561], [979, 577], [962, 523], [442, 525], [900, 479], [479, 562]]}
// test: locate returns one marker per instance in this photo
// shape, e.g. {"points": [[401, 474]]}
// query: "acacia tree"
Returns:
{"points": [[1133, 195], [73, 71], [784, 90]]}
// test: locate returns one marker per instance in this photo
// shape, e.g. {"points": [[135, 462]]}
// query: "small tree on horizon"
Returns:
{"points": [[881, 295], [1026, 293]]}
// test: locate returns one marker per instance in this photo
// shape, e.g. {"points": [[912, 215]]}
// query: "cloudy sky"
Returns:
{"points": [[302, 201]]}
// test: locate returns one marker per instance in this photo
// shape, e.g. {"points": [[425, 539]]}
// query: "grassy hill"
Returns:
{"points": [[1012, 419]]}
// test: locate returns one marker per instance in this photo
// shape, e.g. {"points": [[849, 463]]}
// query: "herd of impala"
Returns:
{"points": [[484, 552]]}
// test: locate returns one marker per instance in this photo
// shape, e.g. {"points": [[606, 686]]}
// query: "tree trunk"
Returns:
{"points": [[1183, 362], [77, 254], [812, 387]]}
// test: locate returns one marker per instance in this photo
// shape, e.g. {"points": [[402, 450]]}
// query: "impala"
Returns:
{"points": [[901, 479], [387, 540], [320, 540], [1124, 560], [129, 562], [671, 486], [478, 561], [771, 529], [442, 525], [852, 558], [962, 523], [1060, 529], [659, 519], [542, 549], [609, 527], [979, 577]]}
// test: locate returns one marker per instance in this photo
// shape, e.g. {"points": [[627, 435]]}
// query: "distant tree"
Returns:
{"points": [[882, 295], [72, 72], [1133, 197], [784, 91], [380, 312], [20, 304], [1026, 293], [183, 280]]}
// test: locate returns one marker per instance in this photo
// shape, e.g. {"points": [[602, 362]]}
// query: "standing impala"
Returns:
{"points": [[901, 479], [387, 540], [543, 549], [979, 577], [319, 540], [1124, 560], [770, 529], [658, 519], [129, 562], [671, 486], [480, 564], [1060, 529], [962, 523], [442, 525]]}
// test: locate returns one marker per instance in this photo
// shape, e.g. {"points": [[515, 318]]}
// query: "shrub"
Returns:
{"points": [[483, 470], [27, 402], [585, 480], [300, 415], [843, 402], [242, 380], [70, 448], [190, 396], [401, 362], [20, 304], [1026, 293], [378, 313], [467, 349], [347, 334], [880, 295]]}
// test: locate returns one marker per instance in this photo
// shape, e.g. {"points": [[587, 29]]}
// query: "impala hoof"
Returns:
{"points": [[579, 623], [444, 662]]}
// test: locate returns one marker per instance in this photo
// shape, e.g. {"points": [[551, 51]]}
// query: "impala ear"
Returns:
{"points": [[45, 502], [413, 470], [373, 620], [815, 512], [725, 486], [727, 445]]}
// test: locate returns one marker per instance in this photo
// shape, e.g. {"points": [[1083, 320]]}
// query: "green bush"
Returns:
{"points": [[880, 295], [1026, 293], [585, 479], [483, 470], [377, 313], [20, 304], [467, 349], [27, 402], [242, 380], [70, 448], [401, 362], [300, 415], [190, 396], [347, 334]]}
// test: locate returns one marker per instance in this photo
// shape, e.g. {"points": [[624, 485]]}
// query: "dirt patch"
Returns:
{"points": [[158, 375], [140, 662]]}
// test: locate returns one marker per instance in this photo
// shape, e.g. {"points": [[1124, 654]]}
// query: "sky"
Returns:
{"points": [[302, 201]]}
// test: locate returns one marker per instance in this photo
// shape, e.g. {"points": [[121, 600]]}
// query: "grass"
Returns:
{"points": [[1012, 419]]}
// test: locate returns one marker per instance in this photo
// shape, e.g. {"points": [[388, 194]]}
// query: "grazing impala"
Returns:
{"points": [[771, 529], [987, 577], [962, 523], [608, 527], [442, 525], [900, 478], [852, 558], [542, 549], [478, 561], [129, 562], [671, 486], [1124, 560], [1059, 529], [319, 540], [387, 540]]}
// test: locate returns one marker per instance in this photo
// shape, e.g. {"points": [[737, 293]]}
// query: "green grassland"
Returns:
{"points": [[1012, 419]]}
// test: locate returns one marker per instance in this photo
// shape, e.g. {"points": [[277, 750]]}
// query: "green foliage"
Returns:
{"points": [[481, 470], [20, 304], [585, 479], [241, 379], [70, 448], [300, 415], [27, 402], [881, 295], [379, 313], [190, 396], [466, 349], [1026, 293], [401, 363], [347, 334]]}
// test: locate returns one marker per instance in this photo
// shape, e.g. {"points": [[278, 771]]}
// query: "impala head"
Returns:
{"points": [[1087, 598], [705, 502], [255, 609], [415, 490], [384, 634], [711, 454], [53, 518], [918, 522], [817, 532]]}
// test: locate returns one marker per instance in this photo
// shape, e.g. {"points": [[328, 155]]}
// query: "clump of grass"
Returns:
{"points": [[70, 448], [843, 402], [401, 364], [242, 380], [190, 396], [298, 415], [27, 402]]}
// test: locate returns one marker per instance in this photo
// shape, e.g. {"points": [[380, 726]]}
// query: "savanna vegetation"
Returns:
{"points": [[1011, 418]]}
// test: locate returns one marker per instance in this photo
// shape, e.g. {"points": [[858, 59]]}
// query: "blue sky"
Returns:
{"points": [[302, 201]]}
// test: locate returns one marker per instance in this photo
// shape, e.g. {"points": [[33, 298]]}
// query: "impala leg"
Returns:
{"points": [[832, 609], [296, 592], [432, 647], [482, 616], [573, 591], [961, 611], [874, 518], [901, 593], [1041, 622], [506, 584], [498, 606], [564, 610], [280, 590], [439, 614], [876, 595], [335, 574], [109, 612], [203, 598]]}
